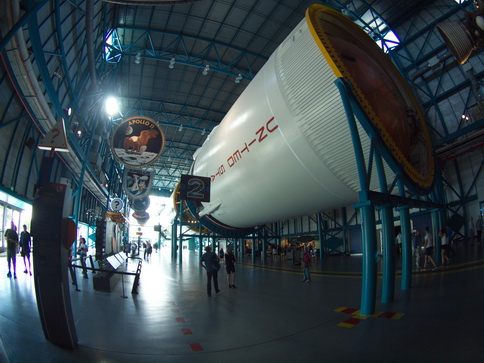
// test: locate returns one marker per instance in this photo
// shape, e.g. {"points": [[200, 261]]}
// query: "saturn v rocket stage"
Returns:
{"points": [[284, 149]]}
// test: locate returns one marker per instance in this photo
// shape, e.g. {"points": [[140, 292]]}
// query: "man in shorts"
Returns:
{"points": [[12, 241]]}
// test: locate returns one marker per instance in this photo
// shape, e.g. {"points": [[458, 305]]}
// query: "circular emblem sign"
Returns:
{"points": [[137, 142], [116, 204]]}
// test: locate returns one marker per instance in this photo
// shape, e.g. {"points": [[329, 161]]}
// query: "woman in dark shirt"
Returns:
{"points": [[230, 267]]}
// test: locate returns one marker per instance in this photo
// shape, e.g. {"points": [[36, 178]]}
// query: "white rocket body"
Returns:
{"points": [[284, 149], [270, 158]]}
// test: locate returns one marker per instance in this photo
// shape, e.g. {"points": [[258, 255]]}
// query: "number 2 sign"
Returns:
{"points": [[195, 188]]}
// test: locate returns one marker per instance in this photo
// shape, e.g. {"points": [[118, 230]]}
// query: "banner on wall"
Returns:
{"points": [[137, 142], [137, 183]]}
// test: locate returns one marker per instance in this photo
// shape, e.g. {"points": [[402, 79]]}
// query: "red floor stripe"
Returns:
{"points": [[186, 331], [387, 315], [175, 310], [180, 320], [196, 347], [349, 311], [352, 321]]}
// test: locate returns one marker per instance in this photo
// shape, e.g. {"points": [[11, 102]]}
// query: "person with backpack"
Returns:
{"points": [[12, 245]]}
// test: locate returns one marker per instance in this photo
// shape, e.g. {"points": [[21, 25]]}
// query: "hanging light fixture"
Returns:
{"points": [[172, 63], [137, 59], [206, 69], [238, 78]]}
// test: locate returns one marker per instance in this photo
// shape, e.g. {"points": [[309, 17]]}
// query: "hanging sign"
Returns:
{"points": [[116, 204], [55, 139], [137, 142], [137, 183], [195, 188]]}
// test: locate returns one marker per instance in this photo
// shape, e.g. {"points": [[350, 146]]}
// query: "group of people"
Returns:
{"points": [[210, 261], [423, 248], [14, 244]]}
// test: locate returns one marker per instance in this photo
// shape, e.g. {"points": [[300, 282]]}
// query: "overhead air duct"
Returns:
{"points": [[464, 36]]}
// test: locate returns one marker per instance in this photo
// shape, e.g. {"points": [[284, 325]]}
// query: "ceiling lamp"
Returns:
{"points": [[137, 59], [238, 78], [206, 69], [112, 106], [465, 35], [172, 63]]}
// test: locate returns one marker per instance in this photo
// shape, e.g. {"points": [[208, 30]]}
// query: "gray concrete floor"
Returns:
{"points": [[270, 316]]}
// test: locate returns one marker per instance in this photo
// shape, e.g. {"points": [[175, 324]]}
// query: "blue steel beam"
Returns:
{"points": [[181, 117], [210, 54], [368, 290]]}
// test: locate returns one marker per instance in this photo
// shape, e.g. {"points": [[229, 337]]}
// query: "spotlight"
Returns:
{"points": [[238, 78], [137, 59], [172, 63], [112, 106]]}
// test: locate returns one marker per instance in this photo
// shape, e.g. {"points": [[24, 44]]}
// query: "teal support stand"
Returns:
{"points": [[368, 293], [174, 238], [344, 223], [388, 237], [253, 250], [406, 248], [321, 236], [180, 240], [264, 247]]}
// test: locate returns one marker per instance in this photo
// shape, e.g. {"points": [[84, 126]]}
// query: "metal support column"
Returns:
{"points": [[388, 240], [253, 250], [406, 248], [180, 240], [368, 290], [263, 253], [344, 222], [320, 235], [174, 237], [368, 227], [435, 236]]}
